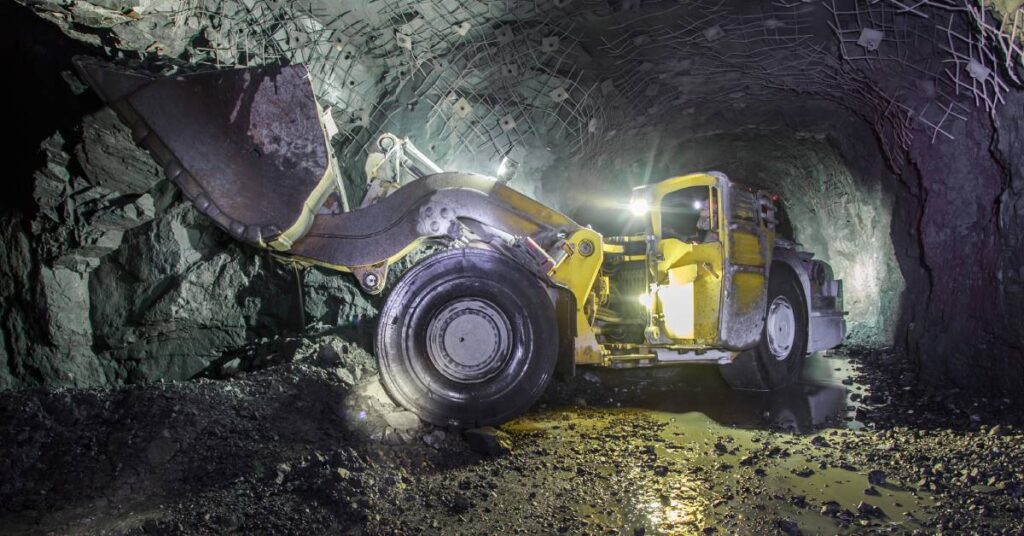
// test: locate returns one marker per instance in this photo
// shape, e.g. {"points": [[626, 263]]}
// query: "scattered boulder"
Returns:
{"points": [[434, 439], [461, 504], [369, 412], [230, 367], [830, 508], [281, 472], [788, 527], [402, 420], [803, 472], [869, 510]]}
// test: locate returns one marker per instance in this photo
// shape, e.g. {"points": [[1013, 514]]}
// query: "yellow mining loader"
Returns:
{"points": [[471, 335]]}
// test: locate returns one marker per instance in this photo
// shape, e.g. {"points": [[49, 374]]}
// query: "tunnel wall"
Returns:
{"points": [[1008, 151], [966, 327], [107, 276], [843, 215]]}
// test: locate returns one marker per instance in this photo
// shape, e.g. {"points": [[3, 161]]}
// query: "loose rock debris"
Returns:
{"points": [[295, 448]]}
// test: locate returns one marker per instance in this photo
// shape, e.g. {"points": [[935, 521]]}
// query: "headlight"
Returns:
{"points": [[639, 206], [507, 169]]}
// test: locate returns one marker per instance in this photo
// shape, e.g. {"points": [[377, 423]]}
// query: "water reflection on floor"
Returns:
{"points": [[820, 400], [744, 462]]}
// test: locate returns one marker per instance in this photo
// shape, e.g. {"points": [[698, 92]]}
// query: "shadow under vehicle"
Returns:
{"points": [[472, 335]]}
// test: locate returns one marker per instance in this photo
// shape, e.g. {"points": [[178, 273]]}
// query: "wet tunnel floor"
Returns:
{"points": [[855, 448], [689, 455]]}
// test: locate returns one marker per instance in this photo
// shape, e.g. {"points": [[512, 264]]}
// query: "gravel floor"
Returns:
{"points": [[307, 447]]}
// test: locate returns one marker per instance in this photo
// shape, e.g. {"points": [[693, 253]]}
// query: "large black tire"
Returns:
{"points": [[773, 364], [467, 338]]}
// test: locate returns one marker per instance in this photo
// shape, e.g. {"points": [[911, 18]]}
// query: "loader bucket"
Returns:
{"points": [[246, 146]]}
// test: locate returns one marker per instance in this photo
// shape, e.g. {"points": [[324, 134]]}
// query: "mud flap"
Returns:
{"points": [[565, 312]]}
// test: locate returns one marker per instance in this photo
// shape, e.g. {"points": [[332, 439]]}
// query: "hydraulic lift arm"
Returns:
{"points": [[248, 148]]}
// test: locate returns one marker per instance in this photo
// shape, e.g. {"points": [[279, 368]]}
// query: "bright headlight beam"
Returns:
{"points": [[639, 206]]}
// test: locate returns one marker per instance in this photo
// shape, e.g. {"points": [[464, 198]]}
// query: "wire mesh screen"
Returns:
{"points": [[488, 78]]}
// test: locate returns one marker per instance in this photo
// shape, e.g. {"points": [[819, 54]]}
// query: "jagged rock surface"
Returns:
{"points": [[116, 279]]}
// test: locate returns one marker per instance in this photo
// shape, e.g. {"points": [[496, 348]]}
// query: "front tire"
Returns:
{"points": [[467, 338], [778, 359]]}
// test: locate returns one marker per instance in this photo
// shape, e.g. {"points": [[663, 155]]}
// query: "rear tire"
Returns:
{"points": [[778, 358], [467, 338]]}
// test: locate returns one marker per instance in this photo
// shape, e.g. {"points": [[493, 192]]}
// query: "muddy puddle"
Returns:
{"points": [[718, 460]]}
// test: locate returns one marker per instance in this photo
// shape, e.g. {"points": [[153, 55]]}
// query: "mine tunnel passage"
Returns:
{"points": [[836, 194], [909, 183], [870, 154]]}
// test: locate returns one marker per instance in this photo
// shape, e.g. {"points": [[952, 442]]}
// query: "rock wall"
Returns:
{"points": [[968, 327], [116, 279], [1008, 207], [106, 275]]}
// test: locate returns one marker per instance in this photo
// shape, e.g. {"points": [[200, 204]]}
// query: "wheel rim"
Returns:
{"points": [[781, 327], [469, 340]]}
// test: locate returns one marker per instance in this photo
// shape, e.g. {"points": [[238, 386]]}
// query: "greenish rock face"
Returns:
{"points": [[116, 279]]}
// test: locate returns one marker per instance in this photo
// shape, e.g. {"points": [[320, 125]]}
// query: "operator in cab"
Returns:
{"points": [[688, 215]]}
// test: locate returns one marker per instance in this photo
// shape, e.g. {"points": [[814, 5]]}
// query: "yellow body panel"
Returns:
{"points": [[668, 186], [704, 262], [748, 287], [614, 248], [746, 249], [691, 278], [676, 302], [682, 275], [578, 272]]}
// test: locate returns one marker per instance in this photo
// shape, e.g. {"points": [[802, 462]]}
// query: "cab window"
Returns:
{"points": [[689, 215]]}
